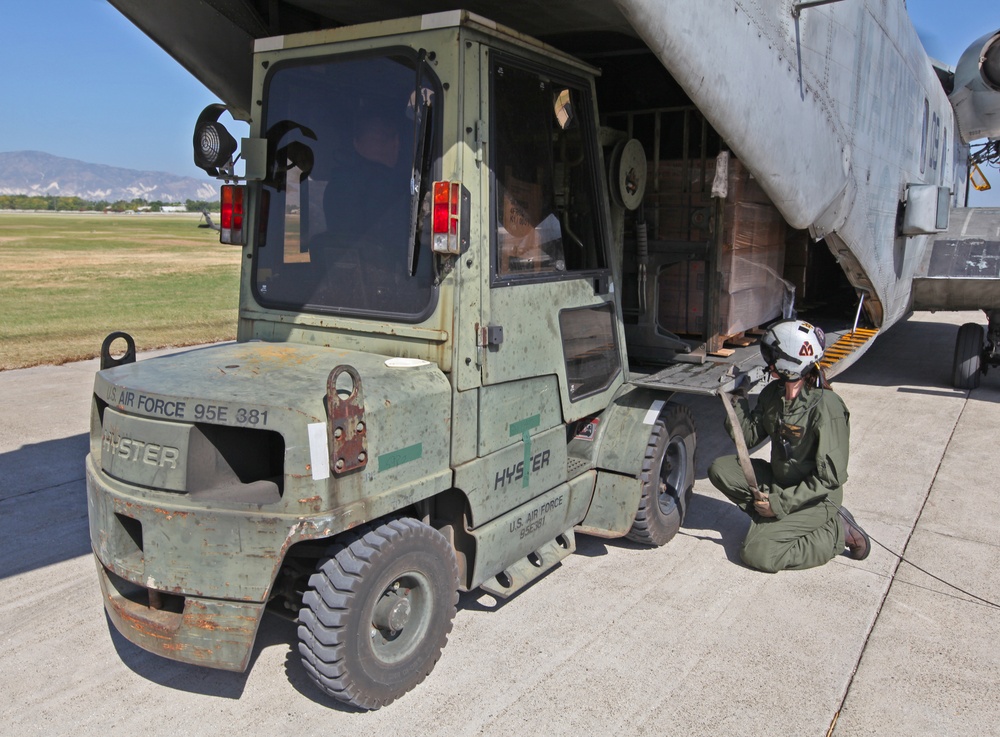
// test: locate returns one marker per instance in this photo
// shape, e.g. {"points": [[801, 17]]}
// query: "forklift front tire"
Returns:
{"points": [[378, 611], [667, 477]]}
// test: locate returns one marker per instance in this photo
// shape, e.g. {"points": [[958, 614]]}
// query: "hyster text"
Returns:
{"points": [[516, 472], [130, 449]]}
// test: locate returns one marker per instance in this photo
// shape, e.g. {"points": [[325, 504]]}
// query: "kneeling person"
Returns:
{"points": [[794, 526]]}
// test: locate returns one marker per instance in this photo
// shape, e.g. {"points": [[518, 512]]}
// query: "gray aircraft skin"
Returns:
{"points": [[834, 107]]}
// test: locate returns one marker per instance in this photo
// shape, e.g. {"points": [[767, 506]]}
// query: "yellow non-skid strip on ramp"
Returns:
{"points": [[846, 345]]}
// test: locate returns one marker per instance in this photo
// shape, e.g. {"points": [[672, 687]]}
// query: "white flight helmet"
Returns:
{"points": [[792, 347]]}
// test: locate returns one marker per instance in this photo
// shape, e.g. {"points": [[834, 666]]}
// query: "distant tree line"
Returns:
{"points": [[76, 204]]}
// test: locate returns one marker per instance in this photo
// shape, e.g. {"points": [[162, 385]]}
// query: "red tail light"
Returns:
{"points": [[231, 220], [446, 217]]}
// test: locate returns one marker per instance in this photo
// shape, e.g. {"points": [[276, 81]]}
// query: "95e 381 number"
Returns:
{"points": [[222, 413]]}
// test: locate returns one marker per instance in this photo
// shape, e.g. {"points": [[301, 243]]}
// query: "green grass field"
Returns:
{"points": [[70, 279]]}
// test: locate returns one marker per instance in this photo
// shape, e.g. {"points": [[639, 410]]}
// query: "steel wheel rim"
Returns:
{"points": [[391, 646], [673, 473]]}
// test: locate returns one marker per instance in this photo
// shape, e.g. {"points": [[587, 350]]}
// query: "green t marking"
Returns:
{"points": [[524, 428]]}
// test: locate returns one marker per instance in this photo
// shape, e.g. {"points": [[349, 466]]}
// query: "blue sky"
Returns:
{"points": [[81, 81]]}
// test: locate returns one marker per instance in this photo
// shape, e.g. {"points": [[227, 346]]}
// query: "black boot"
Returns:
{"points": [[856, 540]]}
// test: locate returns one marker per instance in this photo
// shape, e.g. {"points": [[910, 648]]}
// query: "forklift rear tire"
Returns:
{"points": [[378, 611], [966, 369], [667, 477]]}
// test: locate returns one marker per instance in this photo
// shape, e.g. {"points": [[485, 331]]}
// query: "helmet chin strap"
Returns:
{"points": [[782, 379]]}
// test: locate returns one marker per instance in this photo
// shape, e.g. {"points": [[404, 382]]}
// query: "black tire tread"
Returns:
{"points": [[968, 355], [648, 528], [324, 619]]}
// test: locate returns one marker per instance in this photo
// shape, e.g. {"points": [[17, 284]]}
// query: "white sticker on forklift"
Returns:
{"points": [[319, 452], [654, 412]]}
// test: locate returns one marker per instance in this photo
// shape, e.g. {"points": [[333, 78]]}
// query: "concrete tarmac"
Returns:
{"points": [[618, 639]]}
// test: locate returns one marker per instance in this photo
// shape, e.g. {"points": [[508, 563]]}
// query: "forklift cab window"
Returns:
{"points": [[547, 224], [337, 204]]}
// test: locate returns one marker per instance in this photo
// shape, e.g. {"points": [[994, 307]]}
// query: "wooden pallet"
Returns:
{"points": [[719, 344], [741, 340]]}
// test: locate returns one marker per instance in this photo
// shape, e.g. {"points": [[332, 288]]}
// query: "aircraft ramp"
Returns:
{"points": [[961, 270]]}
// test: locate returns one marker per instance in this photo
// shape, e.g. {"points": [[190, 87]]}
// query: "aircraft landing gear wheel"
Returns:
{"points": [[966, 369], [667, 478], [378, 612]]}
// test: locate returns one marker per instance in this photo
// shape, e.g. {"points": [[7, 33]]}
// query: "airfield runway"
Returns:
{"points": [[618, 640]]}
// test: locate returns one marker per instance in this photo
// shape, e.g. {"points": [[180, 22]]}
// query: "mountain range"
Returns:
{"points": [[36, 173]]}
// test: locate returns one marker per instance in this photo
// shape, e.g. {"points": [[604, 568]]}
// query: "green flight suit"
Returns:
{"points": [[810, 439]]}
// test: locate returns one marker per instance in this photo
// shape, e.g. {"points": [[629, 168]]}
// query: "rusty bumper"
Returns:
{"points": [[210, 632], [186, 582]]}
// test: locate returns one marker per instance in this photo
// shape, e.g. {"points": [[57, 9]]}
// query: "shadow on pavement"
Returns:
{"points": [[274, 632], [43, 505], [708, 514], [913, 353]]}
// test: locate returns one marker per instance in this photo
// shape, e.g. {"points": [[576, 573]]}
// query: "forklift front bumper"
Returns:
{"points": [[186, 582], [209, 632]]}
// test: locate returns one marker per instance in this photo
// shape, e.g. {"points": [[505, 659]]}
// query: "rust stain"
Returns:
{"points": [[143, 626], [202, 622], [263, 355], [209, 623], [170, 514]]}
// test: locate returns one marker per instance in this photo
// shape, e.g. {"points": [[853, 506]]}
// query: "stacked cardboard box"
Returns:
{"points": [[797, 261], [678, 191], [752, 249], [750, 265], [681, 290]]}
